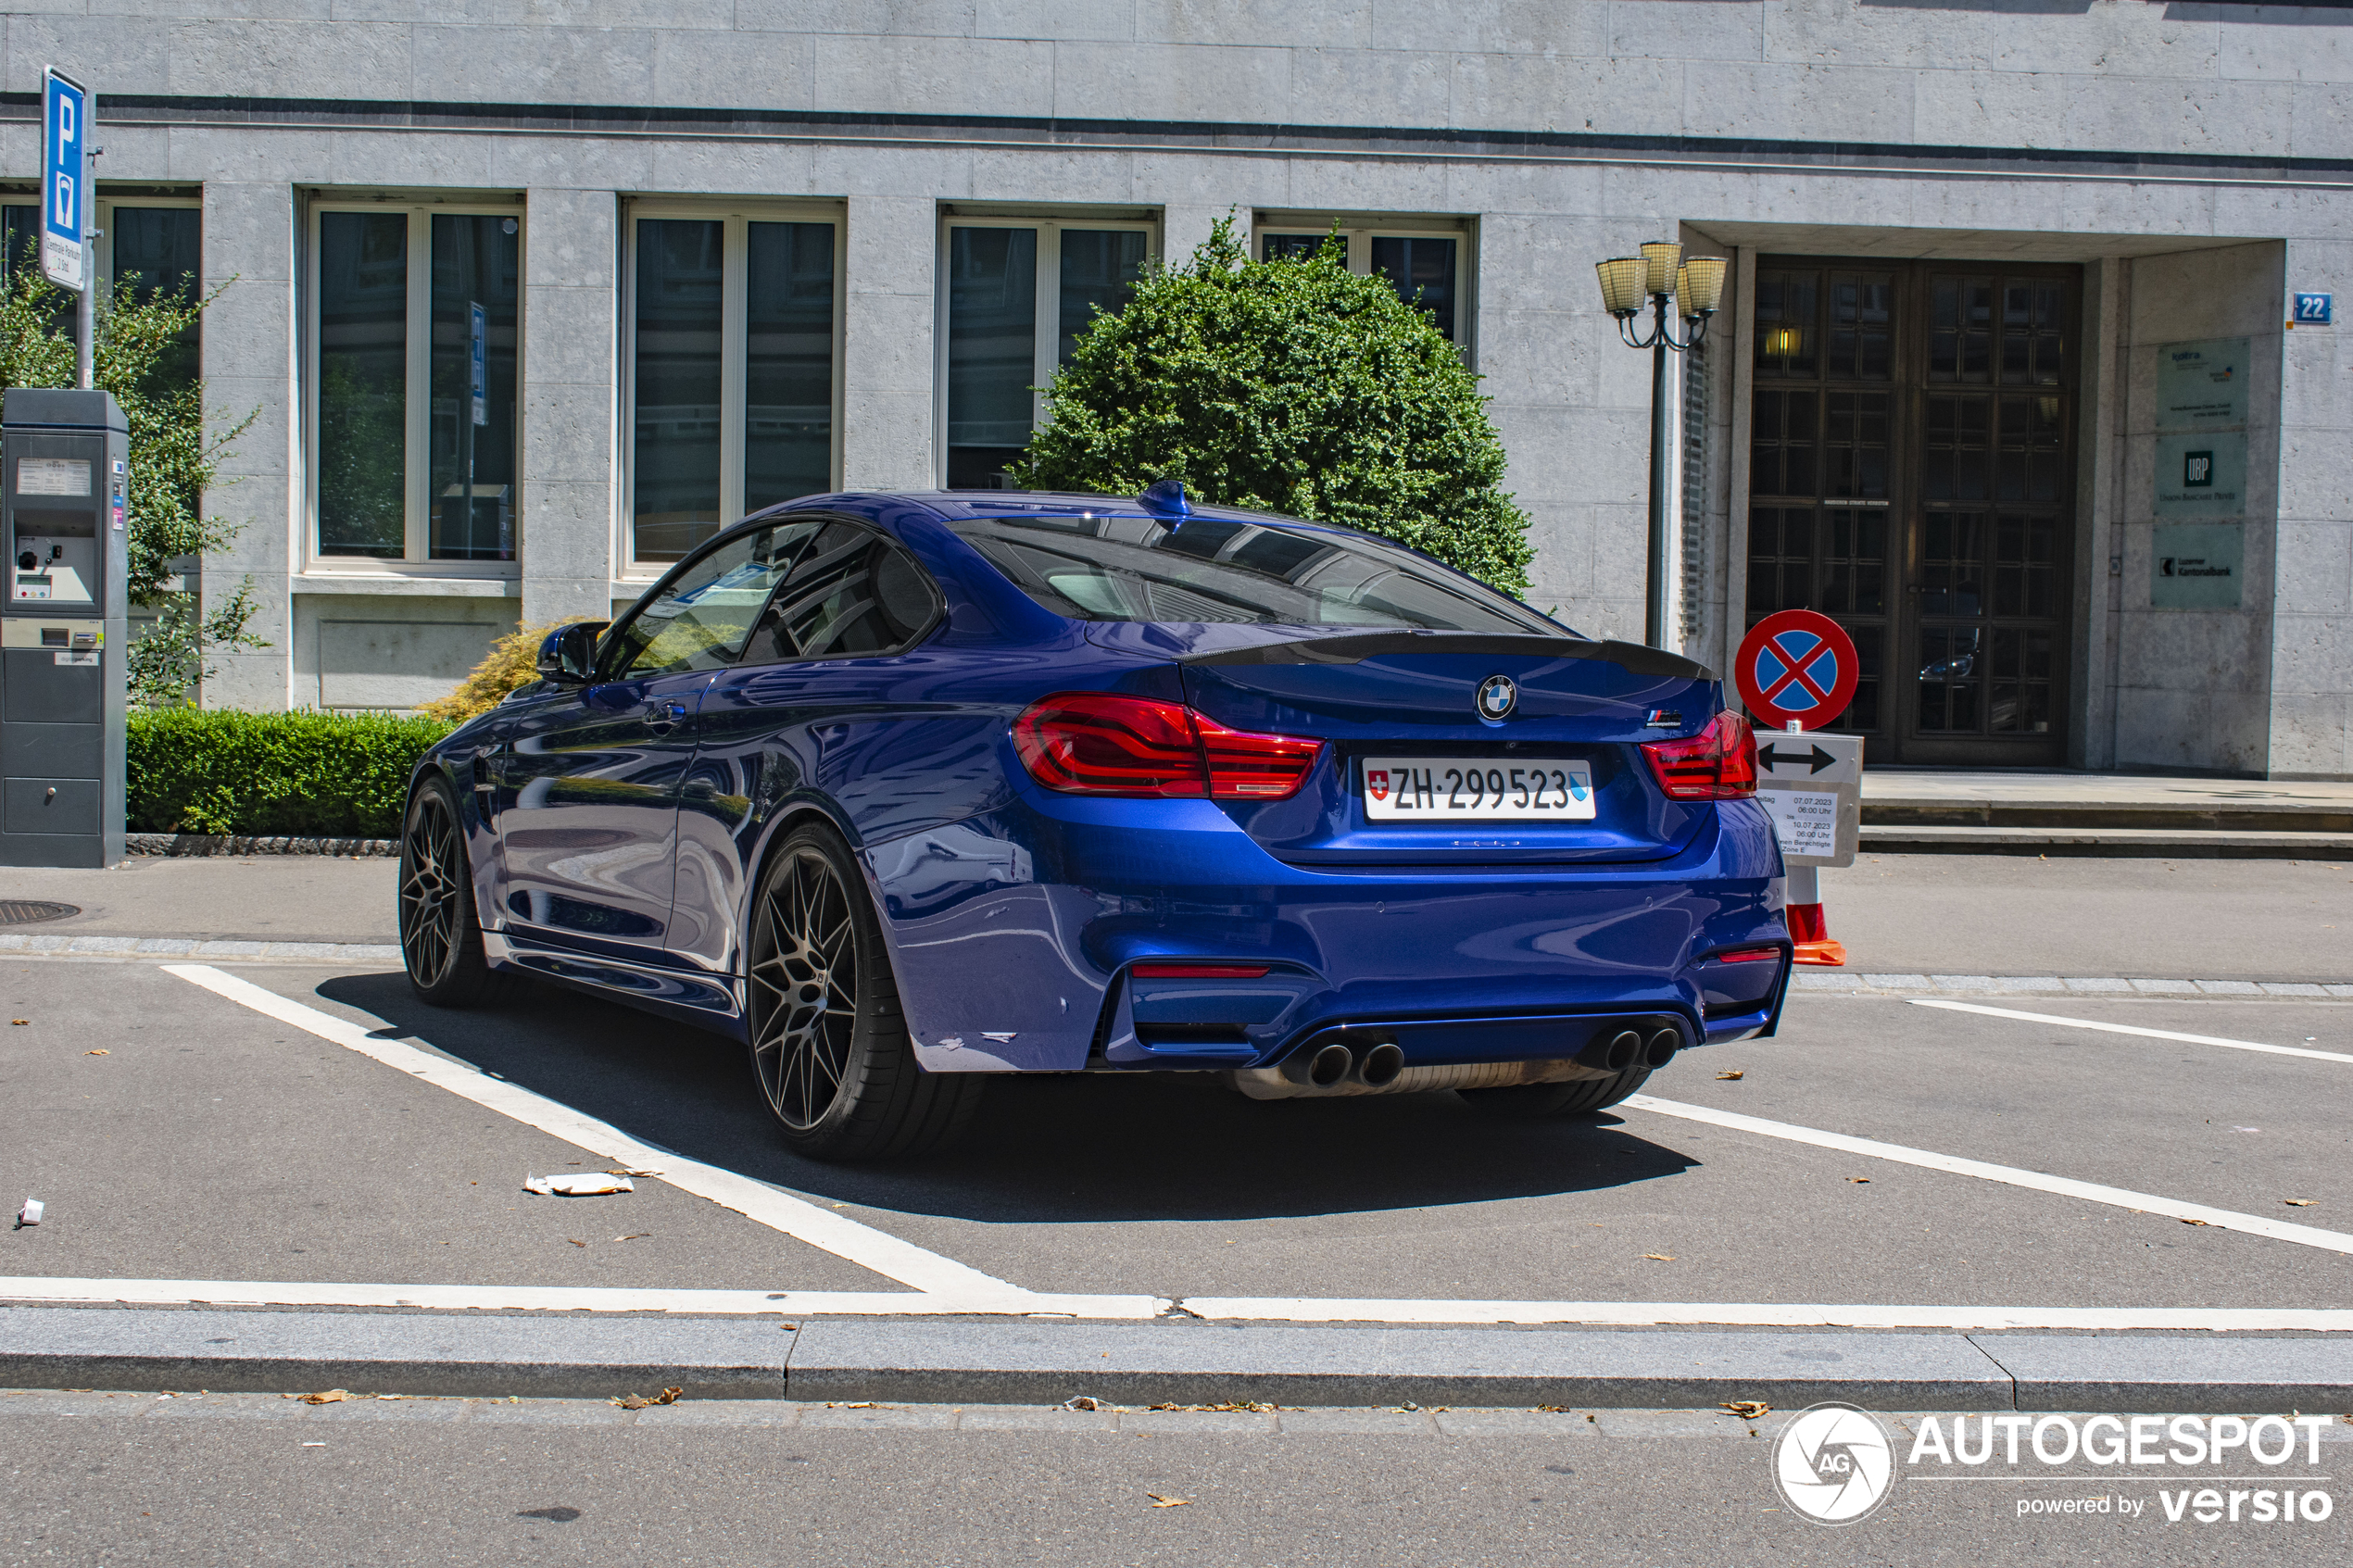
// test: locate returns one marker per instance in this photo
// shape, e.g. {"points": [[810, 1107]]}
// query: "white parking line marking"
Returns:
{"points": [[1272, 1308], [2009, 1175], [869, 1249], [2127, 1028], [568, 1298], [1768, 1314]]}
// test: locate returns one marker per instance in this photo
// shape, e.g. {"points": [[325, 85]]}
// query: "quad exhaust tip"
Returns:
{"points": [[1330, 1064], [1378, 1067], [1662, 1047]]}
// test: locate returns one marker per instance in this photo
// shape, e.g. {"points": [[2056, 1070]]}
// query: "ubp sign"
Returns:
{"points": [[64, 198], [1838, 1464]]}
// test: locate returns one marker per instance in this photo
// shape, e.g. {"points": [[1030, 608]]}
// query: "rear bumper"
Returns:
{"points": [[1012, 936]]}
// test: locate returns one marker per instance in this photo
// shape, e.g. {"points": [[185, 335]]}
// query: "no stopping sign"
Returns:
{"points": [[1798, 665]]}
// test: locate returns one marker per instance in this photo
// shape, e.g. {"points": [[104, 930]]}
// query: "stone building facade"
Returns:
{"points": [[2007, 378]]}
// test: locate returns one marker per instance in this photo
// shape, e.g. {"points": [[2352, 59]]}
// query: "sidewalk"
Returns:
{"points": [[1911, 809], [1089, 1366]]}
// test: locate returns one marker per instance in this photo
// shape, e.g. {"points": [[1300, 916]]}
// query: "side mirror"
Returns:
{"points": [[568, 654]]}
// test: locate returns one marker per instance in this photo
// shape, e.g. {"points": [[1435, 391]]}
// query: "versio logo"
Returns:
{"points": [[1835, 1464]]}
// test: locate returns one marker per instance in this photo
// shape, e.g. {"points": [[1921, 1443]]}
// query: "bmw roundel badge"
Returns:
{"points": [[1498, 694]]}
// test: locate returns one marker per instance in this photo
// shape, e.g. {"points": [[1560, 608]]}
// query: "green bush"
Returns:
{"points": [[325, 775], [1292, 386]]}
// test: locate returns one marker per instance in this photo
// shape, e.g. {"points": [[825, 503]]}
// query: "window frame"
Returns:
{"points": [[107, 202], [608, 639], [103, 260], [1361, 229], [735, 354], [1046, 329], [415, 559]]}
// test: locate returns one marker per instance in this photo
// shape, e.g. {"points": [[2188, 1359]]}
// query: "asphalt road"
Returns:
{"points": [[212, 1141], [237, 1480]]}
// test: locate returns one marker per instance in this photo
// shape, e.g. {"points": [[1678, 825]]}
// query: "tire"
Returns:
{"points": [[440, 933], [829, 1045], [1532, 1101]]}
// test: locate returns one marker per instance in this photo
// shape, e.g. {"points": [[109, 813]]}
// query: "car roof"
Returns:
{"points": [[962, 506]]}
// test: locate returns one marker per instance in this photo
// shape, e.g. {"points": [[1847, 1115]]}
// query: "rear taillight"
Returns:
{"points": [[1719, 763], [1243, 766], [1095, 743], [1102, 743], [1747, 955], [1167, 969]]}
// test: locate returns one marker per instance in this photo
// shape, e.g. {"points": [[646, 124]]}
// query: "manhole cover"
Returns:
{"points": [[27, 912]]}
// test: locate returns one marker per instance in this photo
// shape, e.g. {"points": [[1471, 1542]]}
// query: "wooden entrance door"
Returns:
{"points": [[1911, 474]]}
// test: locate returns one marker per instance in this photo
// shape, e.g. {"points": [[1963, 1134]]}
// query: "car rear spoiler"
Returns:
{"points": [[1354, 649]]}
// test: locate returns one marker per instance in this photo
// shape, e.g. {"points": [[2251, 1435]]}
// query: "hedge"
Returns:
{"points": [[334, 775]]}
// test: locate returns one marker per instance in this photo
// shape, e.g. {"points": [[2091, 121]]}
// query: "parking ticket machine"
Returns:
{"points": [[65, 497]]}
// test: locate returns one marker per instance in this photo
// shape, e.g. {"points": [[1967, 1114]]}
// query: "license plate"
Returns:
{"points": [[1475, 789]]}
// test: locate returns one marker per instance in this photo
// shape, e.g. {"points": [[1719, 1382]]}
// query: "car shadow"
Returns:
{"points": [[1057, 1148]]}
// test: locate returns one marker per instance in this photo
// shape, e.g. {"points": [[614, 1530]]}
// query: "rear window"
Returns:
{"points": [[1254, 571]]}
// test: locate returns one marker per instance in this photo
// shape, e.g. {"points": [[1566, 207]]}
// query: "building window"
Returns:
{"points": [[734, 353], [1425, 266], [413, 360], [158, 241], [1017, 294]]}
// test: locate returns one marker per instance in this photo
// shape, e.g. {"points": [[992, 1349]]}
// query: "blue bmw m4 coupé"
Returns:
{"points": [[906, 790]]}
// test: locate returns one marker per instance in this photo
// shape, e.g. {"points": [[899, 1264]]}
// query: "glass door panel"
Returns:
{"points": [[1911, 474]]}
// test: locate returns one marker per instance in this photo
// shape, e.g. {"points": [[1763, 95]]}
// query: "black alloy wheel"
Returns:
{"points": [[440, 938], [829, 1044]]}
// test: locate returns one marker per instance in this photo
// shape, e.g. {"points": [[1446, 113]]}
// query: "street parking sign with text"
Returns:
{"points": [[1812, 787], [1796, 665], [65, 200]]}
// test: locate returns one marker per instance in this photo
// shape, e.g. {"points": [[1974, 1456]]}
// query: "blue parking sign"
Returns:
{"points": [[65, 196], [2314, 309]]}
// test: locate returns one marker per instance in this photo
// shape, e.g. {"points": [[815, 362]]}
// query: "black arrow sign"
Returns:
{"points": [[1773, 758]]}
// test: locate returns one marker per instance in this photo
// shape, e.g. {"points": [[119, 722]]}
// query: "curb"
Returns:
{"points": [[2171, 843], [180, 844], [567, 1357], [1040, 1362], [1847, 981]]}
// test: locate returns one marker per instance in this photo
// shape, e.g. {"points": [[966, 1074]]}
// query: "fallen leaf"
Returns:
{"points": [[854, 1405], [1747, 1409], [2297, 1202], [19, 1021], [2192, 1222], [638, 1402], [1159, 1501], [576, 1242], [332, 1396], [1554, 1410], [1862, 1180], [640, 1236], [1732, 1077], [1083, 1402], [1660, 1256], [98, 1053], [630, 1171]]}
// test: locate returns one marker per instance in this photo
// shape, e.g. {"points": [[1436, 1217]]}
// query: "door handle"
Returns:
{"points": [[664, 713]]}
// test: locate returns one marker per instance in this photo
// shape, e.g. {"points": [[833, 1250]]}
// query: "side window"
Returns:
{"points": [[851, 593], [701, 618]]}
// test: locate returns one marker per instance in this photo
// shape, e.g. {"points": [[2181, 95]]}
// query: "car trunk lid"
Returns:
{"points": [[1382, 700]]}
